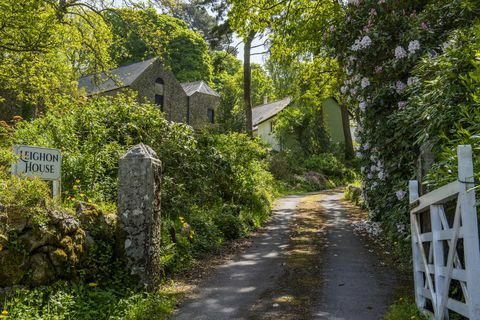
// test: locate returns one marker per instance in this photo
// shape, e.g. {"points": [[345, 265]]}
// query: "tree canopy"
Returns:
{"points": [[143, 33], [44, 47]]}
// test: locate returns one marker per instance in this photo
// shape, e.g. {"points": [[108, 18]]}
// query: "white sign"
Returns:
{"points": [[39, 162]]}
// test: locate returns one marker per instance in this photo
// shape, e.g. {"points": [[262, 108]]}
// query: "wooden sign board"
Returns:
{"points": [[39, 162]]}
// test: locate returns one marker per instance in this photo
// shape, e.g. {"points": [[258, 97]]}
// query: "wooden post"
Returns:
{"points": [[57, 190], [418, 279], [466, 197]]}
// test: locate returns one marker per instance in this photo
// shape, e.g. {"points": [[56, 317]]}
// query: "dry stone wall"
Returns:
{"points": [[35, 254]]}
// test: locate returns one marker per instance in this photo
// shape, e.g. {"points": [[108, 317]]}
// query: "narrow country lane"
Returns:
{"points": [[306, 264], [356, 284]]}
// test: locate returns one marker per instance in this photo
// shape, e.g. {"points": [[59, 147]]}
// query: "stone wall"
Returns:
{"points": [[175, 99], [33, 254], [199, 104]]}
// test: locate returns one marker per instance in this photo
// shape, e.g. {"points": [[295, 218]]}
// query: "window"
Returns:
{"points": [[159, 101], [211, 115], [159, 92], [272, 126]]}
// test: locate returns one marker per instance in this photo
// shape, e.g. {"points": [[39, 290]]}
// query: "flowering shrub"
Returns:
{"points": [[387, 49], [207, 178]]}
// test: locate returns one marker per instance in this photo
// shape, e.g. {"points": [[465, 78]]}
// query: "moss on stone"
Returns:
{"points": [[59, 255], [12, 267]]}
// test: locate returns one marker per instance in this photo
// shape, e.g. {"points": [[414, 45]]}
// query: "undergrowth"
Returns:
{"points": [[404, 310]]}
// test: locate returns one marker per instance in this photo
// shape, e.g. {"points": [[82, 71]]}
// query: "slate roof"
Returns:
{"points": [[198, 86], [115, 78], [267, 111]]}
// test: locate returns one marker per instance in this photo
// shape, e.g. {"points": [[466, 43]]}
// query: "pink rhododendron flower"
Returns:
{"points": [[381, 175], [413, 46], [400, 194], [400, 86], [363, 43], [362, 106], [373, 12], [365, 82], [400, 53]]}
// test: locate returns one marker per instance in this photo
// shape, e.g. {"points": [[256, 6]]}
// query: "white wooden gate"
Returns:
{"points": [[446, 250]]}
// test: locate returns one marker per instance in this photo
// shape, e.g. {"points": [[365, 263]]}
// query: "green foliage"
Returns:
{"points": [[300, 127], [353, 193], [196, 14], [404, 67], [25, 199], [93, 301], [329, 165], [226, 172], [314, 173], [404, 309], [43, 48], [446, 103], [141, 34], [228, 81], [262, 85]]}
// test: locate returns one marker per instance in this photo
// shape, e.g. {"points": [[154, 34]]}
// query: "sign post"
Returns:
{"points": [[44, 163]]}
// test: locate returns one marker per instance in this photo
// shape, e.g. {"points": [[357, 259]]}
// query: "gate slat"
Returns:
{"points": [[437, 196], [463, 265], [457, 274], [458, 307]]}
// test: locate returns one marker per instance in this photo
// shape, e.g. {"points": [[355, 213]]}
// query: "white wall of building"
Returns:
{"points": [[265, 133]]}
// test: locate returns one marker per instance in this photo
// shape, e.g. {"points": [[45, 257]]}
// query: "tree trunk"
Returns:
{"points": [[349, 152], [247, 82]]}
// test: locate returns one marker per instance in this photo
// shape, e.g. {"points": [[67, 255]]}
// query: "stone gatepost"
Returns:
{"points": [[139, 216]]}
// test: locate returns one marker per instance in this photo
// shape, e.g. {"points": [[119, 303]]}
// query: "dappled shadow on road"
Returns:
{"points": [[306, 263], [294, 292], [238, 282], [357, 285]]}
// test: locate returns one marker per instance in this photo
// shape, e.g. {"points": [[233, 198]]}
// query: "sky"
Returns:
{"points": [[258, 58]]}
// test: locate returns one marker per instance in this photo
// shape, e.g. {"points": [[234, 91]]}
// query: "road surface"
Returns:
{"points": [[305, 264]]}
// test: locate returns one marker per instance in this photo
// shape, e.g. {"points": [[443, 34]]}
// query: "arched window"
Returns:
{"points": [[159, 92]]}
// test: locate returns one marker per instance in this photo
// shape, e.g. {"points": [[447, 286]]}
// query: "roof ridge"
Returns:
{"points": [[115, 78], [116, 68], [276, 101]]}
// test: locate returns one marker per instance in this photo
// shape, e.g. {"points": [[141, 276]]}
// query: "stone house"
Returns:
{"points": [[335, 118], [192, 103]]}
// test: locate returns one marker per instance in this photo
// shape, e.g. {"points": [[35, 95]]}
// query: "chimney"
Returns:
{"points": [[265, 99]]}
